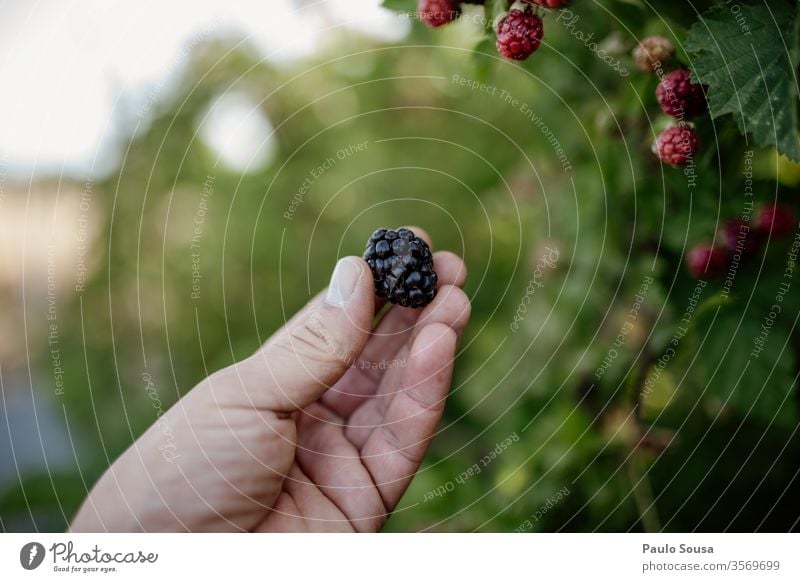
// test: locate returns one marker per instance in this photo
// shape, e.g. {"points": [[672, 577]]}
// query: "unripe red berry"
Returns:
{"points": [[677, 145], [436, 13], [737, 236], [519, 34], [706, 262], [776, 220], [679, 97], [653, 53]]}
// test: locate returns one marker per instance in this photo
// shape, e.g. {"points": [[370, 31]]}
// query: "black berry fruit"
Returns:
{"points": [[436, 13], [776, 220], [402, 267], [679, 97], [519, 34], [677, 145], [706, 262]]}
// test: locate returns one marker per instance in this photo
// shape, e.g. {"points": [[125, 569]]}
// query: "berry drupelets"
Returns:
{"points": [[653, 53], [776, 220], [402, 267], [677, 145], [706, 262], [679, 97], [519, 34], [436, 13], [737, 236]]}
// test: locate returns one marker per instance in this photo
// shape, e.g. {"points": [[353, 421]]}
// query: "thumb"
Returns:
{"points": [[313, 350]]}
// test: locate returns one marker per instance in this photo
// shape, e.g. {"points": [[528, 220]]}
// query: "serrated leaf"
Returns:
{"points": [[748, 70], [759, 386]]}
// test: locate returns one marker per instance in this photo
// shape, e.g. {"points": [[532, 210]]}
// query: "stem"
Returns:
{"points": [[643, 494]]}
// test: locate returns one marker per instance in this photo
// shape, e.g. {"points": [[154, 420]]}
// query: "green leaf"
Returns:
{"points": [[729, 367], [403, 6], [744, 58], [494, 9], [483, 63]]}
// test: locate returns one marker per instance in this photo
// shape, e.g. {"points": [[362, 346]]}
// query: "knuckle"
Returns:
{"points": [[313, 338]]}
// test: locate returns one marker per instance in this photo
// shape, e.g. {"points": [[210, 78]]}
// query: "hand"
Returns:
{"points": [[322, 429]]}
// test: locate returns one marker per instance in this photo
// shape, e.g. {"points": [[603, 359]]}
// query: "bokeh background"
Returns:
{"points": [[178, 178]]}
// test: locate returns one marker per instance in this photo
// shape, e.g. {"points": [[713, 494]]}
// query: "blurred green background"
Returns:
{"points": [[712, 446]]}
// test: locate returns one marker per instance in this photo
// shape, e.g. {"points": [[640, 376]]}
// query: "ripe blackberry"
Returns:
{"points": [[706, 262], [653, 53], [679, 97], [402, 267], [737, 236], [436, 13], [677, 145], [519, 34], [776, 220]]}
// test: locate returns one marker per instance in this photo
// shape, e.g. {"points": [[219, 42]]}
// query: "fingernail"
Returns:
{"points": [[343, 281]]}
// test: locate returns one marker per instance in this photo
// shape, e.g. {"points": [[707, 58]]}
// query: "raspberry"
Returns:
{"points": [[677, 145], [679, 97], [402, 267], [548, 3], [737, 236], [776, 220], [436, 13], [519, 34], [653, 53], [705, 261]]}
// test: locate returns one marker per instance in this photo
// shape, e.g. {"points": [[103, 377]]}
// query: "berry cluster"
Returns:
{"points": [[402, 267], [737, 237], [678, 98], [519, 32]]}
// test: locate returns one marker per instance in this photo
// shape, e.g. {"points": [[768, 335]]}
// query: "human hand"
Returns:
{"points": [[322, 429]]}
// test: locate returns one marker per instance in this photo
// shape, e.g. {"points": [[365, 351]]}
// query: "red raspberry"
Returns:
{"points": [[776, 220], [706, 262], [679, 97], [737, 236], [677, 145], [519, 34], [548, 3], [436, 13]]}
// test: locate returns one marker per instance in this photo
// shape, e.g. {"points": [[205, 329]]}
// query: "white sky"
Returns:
{"points": [[64, 64]]}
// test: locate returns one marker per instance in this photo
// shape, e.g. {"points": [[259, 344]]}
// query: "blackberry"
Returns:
{"points": [[519, 34], [653, 53], [706, 262], [677, 145], [776, 220], [679, 97], [436, 13], [402, 267]]}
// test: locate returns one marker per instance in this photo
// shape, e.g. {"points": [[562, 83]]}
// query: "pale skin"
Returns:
{"points": [[322, 429]]}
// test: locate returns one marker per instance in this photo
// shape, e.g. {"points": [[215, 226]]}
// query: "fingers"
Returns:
{"points": [[451, 308], [334, 465], [394, 450], [394, 330], [312, 351]]}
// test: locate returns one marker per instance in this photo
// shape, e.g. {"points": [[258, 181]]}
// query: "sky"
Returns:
{"points": [[65, 65]]}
